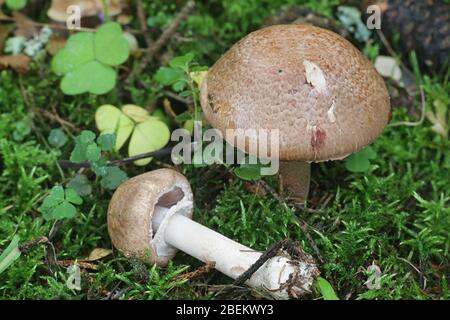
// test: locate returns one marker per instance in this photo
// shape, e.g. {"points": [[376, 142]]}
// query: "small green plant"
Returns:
{"points": [[86, 62], [360, 161], [81, 185], [59, 204], [184, 77], [148, 133], [89, 149], [57, 138], [326, 289], [16, 4], [10, 254]]}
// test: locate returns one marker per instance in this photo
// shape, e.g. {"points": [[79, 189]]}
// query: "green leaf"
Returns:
{"points": [[10, 254], [99, 167], [110, 119], [107, 118], [326, 289], [92, 77], [62, 211], [111, 47], [360, 161], [148, 136], [55, 197], [22, 129], [85, 137], [168, 76], [106, 141], [73, 197], [180, 86], [185, 116], [248, 172], [93, 152], [182, 62], [136, 113], [81, 153], [113, 178], [80, 184], [78, 51], [16, 5], [161, 115], [57, 138]]}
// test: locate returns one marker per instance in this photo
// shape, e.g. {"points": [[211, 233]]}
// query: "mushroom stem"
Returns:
{"points": [[296, 176], [281, 276]]}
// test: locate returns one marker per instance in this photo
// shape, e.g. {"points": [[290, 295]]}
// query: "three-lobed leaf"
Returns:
{"points": [[59, 203], [148, 133], [87, 59]]}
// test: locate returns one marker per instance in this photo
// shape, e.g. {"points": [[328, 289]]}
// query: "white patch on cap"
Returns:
{"points": [[315, 76], [330, 113]]}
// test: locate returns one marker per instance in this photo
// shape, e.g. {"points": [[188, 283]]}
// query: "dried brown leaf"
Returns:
{"points": [[97, 254], [18, 62], [24, 26], [4, 31]]}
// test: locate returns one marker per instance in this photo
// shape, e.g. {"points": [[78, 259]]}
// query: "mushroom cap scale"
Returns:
{"points": [[324, 96], [132, 209]]}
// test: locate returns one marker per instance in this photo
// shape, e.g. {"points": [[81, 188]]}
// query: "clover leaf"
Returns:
{"points": [[87, 59], [113, 178], [80, 184], [16, 4], [59, 204], [85, 148], [148, 133], [360, 161], [57, 138]]}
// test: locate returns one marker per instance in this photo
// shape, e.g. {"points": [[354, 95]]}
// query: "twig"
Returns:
{"points": [[143, 23], [25, 247], [268, 254], [197, 273], [162, 40], [422, 116], [56, 118], [154, 154], [81, 264], [59, 26]]}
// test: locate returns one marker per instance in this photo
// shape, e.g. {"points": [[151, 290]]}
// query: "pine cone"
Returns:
{"points": [[423, 26]]}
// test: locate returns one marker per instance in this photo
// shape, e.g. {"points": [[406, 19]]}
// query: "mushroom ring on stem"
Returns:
{"points": [[149, 217], [321, 93]]}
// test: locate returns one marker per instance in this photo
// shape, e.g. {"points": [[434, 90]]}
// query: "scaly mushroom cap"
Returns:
{"points": [[132, 208], [58, 8], [323, 95]]}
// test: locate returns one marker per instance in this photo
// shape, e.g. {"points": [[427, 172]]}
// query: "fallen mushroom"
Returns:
{"points": [[149, 217], [58, 9], [323, 95]]}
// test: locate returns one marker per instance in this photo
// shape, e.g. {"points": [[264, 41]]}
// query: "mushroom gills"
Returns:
{"points": [[165, 202]]}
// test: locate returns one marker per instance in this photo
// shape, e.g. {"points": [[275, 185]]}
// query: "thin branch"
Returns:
{"points": [[422, 116], [162, 40], [59, 26], [143, 23], [154, 154]]}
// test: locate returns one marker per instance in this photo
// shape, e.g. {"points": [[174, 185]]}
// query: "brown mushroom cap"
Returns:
{"points": [[132, 207], [323, 95], [58, 8]]}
